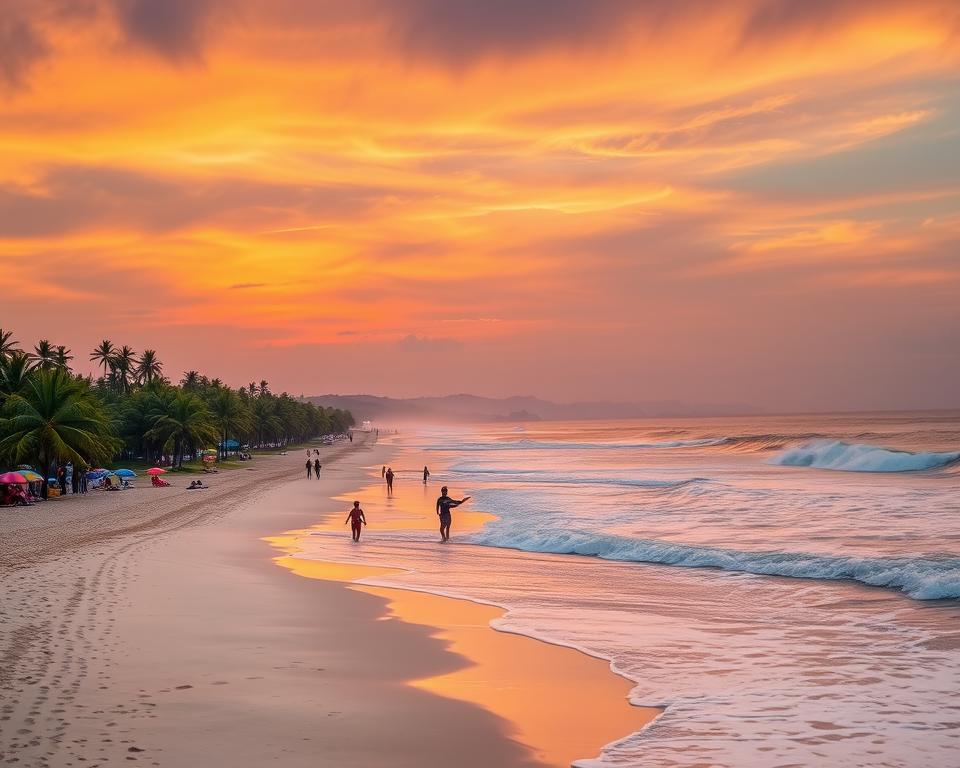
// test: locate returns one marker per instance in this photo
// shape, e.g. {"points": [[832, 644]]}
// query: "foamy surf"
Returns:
{"points": [[920, 578]]}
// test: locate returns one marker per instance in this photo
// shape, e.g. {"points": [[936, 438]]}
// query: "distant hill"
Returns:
{"points": [[464, 408]]}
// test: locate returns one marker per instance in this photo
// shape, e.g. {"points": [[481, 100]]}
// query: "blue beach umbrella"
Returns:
{"points": [[125, 473]]}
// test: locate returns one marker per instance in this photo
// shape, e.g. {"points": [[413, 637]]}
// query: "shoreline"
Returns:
{"points": [[546, 666], [160, 632]]}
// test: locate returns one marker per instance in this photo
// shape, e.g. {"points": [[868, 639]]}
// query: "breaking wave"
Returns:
{"points": [[922, 578], [856, 457]]}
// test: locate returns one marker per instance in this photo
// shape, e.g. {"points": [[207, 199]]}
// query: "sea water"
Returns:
{"points": [[787, 588]]}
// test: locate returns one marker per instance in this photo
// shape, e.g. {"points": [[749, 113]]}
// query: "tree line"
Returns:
{"points": [[50, 415]]}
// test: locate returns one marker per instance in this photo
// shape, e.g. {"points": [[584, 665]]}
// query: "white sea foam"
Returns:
{"points": [[837, 455], [920, 578]]}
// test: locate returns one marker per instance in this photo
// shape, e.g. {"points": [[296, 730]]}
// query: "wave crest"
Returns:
{"points": [[922, 578], [858, 457]]}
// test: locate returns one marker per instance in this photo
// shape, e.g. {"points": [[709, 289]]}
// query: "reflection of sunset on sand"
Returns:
{"points": [[525, 681]]}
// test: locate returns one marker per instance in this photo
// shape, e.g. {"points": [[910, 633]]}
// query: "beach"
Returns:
{"points": [[153, 627]]}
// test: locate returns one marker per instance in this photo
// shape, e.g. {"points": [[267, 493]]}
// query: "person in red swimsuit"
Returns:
{"points": [[356, 519]]}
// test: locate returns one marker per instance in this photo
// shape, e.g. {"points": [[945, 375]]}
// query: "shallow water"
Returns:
{"points": [[600, 542]]}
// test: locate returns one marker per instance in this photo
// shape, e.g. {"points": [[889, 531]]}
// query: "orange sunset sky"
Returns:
{"points": [[750, 201]]}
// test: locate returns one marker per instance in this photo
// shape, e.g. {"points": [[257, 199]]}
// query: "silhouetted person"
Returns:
{"points": [[389, 477], [356, 519], [383, 471], [317, 466], [309, 465], [444, 505], [426, 474]]}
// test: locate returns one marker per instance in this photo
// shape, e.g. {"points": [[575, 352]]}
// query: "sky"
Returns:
{"points": [[754, 201]]}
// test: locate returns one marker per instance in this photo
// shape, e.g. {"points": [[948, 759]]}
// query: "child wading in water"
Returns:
{"points": [[356, 519]]}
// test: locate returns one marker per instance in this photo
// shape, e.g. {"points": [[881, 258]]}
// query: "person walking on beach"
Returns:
{"points": [[309, 466], [426, 474], [356, 519], [383, 471], [444, 505], [317, 466], [389, 476]]}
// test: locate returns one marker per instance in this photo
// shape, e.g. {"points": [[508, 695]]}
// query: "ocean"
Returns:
{"points": [[786, 587]]}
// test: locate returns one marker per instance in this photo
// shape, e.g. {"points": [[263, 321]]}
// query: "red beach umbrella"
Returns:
{"points": [[8, 478], [156, 471]]}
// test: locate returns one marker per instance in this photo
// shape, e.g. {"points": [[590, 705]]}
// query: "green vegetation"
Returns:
{"points": [[133, 414]]}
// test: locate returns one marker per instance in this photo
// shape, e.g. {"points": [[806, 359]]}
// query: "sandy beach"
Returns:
{"points": [[153, 626]]}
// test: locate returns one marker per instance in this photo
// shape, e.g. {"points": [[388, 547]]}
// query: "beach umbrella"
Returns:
{"points": [[156, 471], [125, 473], [31, 476], [93, 474], [9, 478]]}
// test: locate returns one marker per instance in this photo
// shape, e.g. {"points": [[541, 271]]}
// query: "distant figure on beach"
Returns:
{"points": [[309, 465], [317, 466], [426, 474], [308, 453], [356, 519], [444, 505], [389, 476], [383, 471], [351, 437]]}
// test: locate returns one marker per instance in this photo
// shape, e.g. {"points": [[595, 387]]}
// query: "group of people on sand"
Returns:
{"points": [[313, 465], [444, 505], [387, 474]]}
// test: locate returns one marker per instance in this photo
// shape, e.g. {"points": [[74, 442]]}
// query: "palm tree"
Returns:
{"points": [[62, 357], [265, 422], [190, 380], [55, 419], [148, 367], [252, 389], [123, 363], [7, 345], [14, 372], [180, 423], [44, 356], [103, 354], [230, 415], [264, 387]]}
